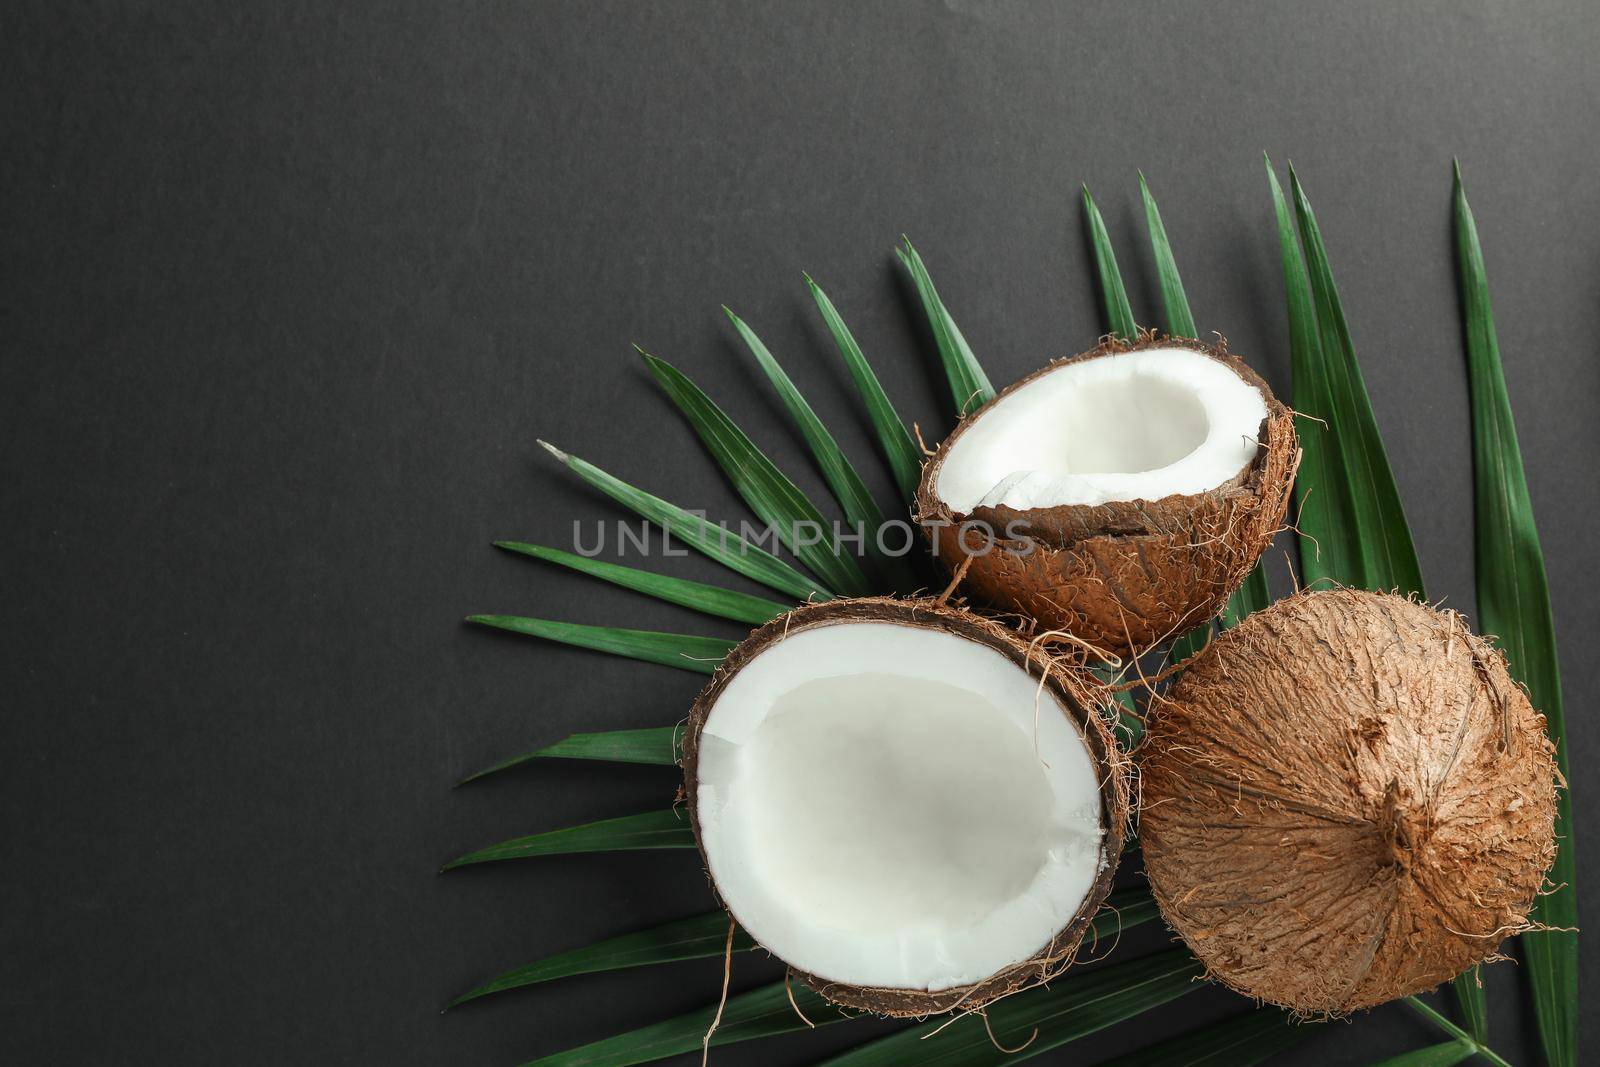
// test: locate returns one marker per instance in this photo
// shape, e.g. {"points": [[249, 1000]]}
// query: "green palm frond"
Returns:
{"points": [[1322, 498], [969, 385], [763, 1012], [1038, 1020], [1240, 1041], [1444, 1054], [1381, 537], [899, 448], [684, 651], [685, 939], [711, 599], [848, 489], [1119, 313], [717, 542], [1514, 605], [1176, 317], [775, 499], [655, 745], [651, 830]]}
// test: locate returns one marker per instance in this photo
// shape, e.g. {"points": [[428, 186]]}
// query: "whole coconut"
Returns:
{"points": [[1346, 799]]}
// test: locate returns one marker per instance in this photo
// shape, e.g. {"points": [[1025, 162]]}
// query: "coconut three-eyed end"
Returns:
{"points": [[1346, 799], [1120, 495], [906, 803]]}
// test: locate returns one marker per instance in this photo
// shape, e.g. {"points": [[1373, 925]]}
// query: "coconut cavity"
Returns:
{"points": [[1142, 425], [888, 800], [1346, 799], [1120, 495]]}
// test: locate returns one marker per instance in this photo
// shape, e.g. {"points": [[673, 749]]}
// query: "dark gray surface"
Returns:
{"points": [[288, 296]]}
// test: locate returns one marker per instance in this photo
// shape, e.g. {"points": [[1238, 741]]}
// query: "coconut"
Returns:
{"points": [[1346, 799], [1120, 495], [905, 803]]}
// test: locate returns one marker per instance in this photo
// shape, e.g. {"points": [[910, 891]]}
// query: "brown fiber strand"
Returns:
{"points": [[727, 976]]}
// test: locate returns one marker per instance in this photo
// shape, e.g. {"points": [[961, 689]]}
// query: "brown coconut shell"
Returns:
{"points": [[1127, 575], [1346, 799], [1065, 678]]}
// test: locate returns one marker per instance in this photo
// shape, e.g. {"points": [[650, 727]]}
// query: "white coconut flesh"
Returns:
{"points": [[1136, 425], [896, 806]]}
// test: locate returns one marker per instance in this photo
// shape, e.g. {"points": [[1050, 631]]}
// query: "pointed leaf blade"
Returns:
{"points": [[685, 651], [762, 1012], [1382, 538], [711, 599], [1323, 510], [656, 745], [848, 489], [1514, 604], [651, 830], [684, 939], [775, 499], [1119, 313], [766, 1011], [969, 385], [1179, 321], [899, 449], [1241, 1041], [720, 544], [1038, 1020], [1444, 1054]]}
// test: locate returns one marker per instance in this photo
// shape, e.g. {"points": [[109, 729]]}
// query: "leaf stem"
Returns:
{"points": [[1423, 1009]]}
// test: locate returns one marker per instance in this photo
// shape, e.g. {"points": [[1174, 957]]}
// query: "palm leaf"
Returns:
{"points": [[1382, 538], [766, 1011], [1422, 1008], [969, 386], [657, 745], [762, 1012], [899, 449], [685, 939], [775, 499], [1174, 304], [1241, 1041], [1038, 1020], [711, 599], [651, 830], [684, 651], [722, 545], [707, 935], [1444, 1054], [1322, 498], [1514, 604], [848, 489], [1119, 313]]}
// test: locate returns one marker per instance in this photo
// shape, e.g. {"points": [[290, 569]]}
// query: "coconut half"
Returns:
{"points": [[1120, 495], [889, 799], [1346, 799]]}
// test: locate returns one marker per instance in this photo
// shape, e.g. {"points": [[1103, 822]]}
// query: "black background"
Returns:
{"points": [[289, 295]]}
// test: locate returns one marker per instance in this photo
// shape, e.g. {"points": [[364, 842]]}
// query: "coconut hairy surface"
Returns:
{"points": [[1346, 799], [905, 803], [1120, 495]]}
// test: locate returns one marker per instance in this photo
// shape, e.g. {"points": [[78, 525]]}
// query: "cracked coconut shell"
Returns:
{"points": [[1065, 678], [1125, 575], [1346, 799]]}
